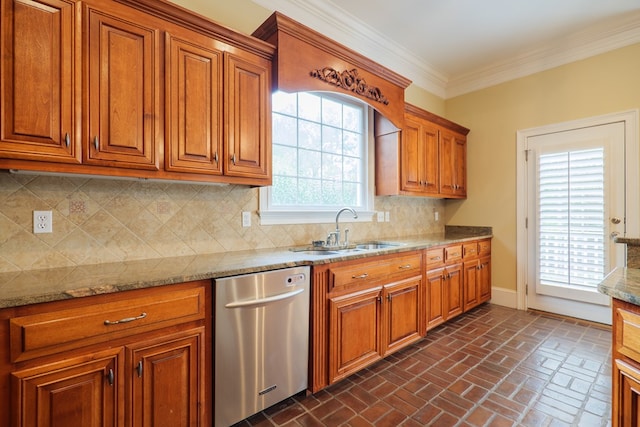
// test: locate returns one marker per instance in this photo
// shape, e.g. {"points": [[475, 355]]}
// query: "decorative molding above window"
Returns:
{"points": [[301, 49], [350, 80]]}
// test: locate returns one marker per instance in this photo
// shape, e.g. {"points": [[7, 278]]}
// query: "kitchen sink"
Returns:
{"points": [[376, 245], [317, 252]]}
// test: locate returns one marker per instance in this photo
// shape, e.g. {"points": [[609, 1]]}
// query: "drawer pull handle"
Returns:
{"points": [[404, 267], [125, 320], [67, 139], [362, 276], [139, 369], [96, 143], [435, 258], [110, 377]]}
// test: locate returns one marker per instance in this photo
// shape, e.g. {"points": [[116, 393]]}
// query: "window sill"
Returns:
{"points": [[309, 217]]}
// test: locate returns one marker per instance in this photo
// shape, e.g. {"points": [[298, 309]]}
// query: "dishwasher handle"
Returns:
{"points": [[261, 301]]}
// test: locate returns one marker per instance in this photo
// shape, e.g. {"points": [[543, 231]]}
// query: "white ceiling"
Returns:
{"points": [[451, 47]]}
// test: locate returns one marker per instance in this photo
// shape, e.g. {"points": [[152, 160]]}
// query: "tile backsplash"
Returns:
{"points": [[106, 220]]}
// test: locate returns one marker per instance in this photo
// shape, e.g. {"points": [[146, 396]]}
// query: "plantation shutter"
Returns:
{"points": [[571, 218]]}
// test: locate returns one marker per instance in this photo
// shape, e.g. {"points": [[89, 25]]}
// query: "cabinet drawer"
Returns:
{"points": [[628, 333], [435, 258], [470, 250], [484, 247], [452, 253], [50, 332], [370, 271]]}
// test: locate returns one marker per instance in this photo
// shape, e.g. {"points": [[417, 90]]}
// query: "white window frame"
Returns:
{"points": [[270, 215]]}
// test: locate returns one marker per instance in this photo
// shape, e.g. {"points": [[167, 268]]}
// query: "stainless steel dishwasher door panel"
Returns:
{"points": [[261, 341]]}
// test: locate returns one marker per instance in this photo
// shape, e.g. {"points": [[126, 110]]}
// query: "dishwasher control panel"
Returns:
{"points": [[295, 279]]}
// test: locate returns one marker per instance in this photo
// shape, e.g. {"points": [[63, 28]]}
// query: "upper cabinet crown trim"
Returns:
{"points": [[301, 51]]}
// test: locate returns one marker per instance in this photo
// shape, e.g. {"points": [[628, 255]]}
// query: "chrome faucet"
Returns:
{"points": [[336, 233]]}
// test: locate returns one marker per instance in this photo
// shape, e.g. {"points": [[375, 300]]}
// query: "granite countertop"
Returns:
{"points": [[44, 285], [622, 283]]}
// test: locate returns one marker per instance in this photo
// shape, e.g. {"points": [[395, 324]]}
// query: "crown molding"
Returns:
{"points": [[592, 42], [327, 17], [353, 33]]}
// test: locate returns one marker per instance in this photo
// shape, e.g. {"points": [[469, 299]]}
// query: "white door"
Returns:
{"points": [[576, 206]]}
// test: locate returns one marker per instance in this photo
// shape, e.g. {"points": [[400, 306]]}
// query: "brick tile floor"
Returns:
{"points": [[493, 366]]}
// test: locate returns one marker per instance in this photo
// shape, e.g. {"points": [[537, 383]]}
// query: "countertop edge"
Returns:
{"points": [[48, 285], [623, 284]]}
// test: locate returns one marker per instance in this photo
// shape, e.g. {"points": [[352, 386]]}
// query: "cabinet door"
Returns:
{"points": [[85, 391], [430, 142], [626, 395], [168, 381], [412, 158], [354, 331], [38, 69], [471, 284], [453, 290], [453, 164], [401, 320], [484, 279], [248, 116], [123, 89], [193, 103], [435, 297]]}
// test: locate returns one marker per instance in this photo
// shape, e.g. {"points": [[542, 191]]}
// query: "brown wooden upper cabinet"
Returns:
{"points": [[427, 157], [139, 88], [39, 76], [122, 99]]}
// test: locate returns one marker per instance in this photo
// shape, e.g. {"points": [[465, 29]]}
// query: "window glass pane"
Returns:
{"points": [[282, 102], [310, 164], [309, 106], [331, 140], [309, 135], [285, 190], [331, 167], [331, 112], [284, 160], [351, 168], [352, 144], [350, 191], [332, 192], [284, 130], [310, 191], [352, 118]]}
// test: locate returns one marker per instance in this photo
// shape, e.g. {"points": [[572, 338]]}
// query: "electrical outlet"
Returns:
{"points": [[380, 216], [42, 222], [387, 217], [246, 219], [436, 215]]}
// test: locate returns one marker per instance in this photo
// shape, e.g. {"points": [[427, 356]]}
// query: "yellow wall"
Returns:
{"points": [[241, 15], [603, 84]]}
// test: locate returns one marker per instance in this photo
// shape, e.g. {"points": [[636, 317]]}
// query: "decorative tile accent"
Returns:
{"points": [[98, 220]]}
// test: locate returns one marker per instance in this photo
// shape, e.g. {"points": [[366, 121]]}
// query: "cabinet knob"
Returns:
{"points": [[67, 139], [96, 143], [139, 369], [111, 377], [215, 157], [233, 158]]}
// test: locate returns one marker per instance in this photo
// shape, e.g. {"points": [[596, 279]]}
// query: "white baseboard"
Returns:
{"points": [[504, 297]]}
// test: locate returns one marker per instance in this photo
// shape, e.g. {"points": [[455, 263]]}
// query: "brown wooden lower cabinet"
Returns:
{"points": [[135, 358], [366, 309], [626, 364]]}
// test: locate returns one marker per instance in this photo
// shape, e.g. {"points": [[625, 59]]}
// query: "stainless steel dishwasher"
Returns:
{"points": [[261, 341]]}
